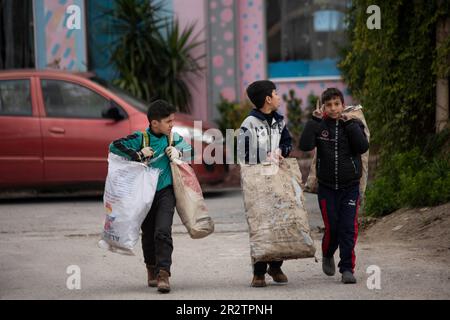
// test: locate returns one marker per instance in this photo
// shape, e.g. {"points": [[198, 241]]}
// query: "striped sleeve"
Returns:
{"points": [[128, 147]]}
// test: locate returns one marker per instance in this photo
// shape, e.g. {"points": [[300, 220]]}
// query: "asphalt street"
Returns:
{"points": [[45, 242]]}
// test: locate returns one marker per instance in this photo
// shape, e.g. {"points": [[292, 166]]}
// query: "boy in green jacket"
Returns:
{"points": [[153, 148]]}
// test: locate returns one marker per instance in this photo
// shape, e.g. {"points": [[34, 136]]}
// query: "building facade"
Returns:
{"points": [[291, 42]]}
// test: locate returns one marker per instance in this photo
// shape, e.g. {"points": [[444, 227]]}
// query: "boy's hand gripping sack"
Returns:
{"points": [[275, 210], [129, 191], [190, 203]]}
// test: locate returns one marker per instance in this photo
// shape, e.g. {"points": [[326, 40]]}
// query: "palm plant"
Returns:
{"points": [[151, 53]]}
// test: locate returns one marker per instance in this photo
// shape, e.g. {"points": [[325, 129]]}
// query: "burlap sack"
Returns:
{"points": [[354, 112], [275, 211], [190, 204]]}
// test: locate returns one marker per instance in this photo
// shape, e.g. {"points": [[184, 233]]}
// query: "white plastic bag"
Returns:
{"points": [[129, 191]]}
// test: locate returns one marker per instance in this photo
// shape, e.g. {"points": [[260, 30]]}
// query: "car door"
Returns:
{"points": [[75, 134], [21, 158]]}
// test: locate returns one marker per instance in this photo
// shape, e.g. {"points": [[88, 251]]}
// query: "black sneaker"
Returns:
{"points": [[348, 277], [328, 266]]}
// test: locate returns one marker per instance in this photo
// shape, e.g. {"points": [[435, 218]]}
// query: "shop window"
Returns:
{"points": [[304, 37]]}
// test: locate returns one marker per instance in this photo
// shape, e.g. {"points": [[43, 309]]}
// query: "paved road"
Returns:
{"points": [[40, 239]]}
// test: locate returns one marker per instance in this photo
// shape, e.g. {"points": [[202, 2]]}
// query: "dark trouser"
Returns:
{"points": [[260, 268], [157, 230], [340, 216]]}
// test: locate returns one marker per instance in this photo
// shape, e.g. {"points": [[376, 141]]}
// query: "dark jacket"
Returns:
{"points": [[339, 148], [257, 137]]}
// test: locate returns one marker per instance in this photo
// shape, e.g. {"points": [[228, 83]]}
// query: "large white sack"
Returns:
{"points": [[129, 191]]}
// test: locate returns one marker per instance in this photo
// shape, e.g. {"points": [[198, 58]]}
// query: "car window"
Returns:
{"points": [[136, 102], [15, 98], [70, 100]]}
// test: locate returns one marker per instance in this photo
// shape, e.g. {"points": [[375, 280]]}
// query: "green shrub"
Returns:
{"points": [[295, 116], [409, 179], [312, 101], [232, 114], [381, 197], [392, 71]]}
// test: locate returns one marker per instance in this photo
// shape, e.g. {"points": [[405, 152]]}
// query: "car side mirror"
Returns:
{"points": [[113, 112]]}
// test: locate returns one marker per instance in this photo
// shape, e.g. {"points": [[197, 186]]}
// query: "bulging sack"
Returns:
{"points": [[190, 203], [129, 191], [354, 112], [275, 210]]}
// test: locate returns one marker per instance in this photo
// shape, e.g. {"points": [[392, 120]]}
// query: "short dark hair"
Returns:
{"points": [[331, 93], [259, 90], [160, 109]]}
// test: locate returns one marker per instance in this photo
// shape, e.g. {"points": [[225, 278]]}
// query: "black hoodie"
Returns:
{"points": [[339, 148]]}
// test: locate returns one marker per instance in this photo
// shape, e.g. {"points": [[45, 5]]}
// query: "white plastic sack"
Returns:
{"points": [[129, 191]]}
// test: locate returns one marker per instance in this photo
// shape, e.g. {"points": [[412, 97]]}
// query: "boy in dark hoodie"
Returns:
{"points": [[263, 136], [340, 141]]}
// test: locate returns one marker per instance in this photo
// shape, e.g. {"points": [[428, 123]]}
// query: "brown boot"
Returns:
{"points": [[277, 275], [163, 281], [151, 276], [258, 281]]}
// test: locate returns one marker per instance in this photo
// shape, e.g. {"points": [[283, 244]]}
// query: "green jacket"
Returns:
{"points": [[127, 147]]}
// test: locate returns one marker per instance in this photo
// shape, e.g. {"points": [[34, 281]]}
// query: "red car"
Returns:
{"points": [[55, 129]]}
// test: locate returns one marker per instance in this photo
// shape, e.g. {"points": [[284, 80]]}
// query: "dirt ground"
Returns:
{"points": [[426, 228]]}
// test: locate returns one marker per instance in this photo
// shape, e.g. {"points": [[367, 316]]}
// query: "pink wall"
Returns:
{"points": [[188, 12], [251, 49], [253, 60], [304, 88], [251, 43], [223, 75]]}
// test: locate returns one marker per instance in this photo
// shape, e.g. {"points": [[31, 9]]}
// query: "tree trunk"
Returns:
{"points": [[442, 85]]}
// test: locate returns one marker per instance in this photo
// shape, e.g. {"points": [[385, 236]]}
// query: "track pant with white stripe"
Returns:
{"points": [[340, 216]]}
